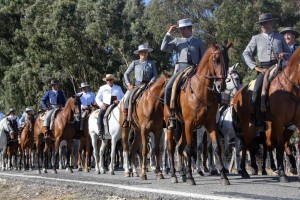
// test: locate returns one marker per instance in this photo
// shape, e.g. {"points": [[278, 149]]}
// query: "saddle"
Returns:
{"points": [[106, 118], [53, 116], [180, 82], [136, 93]]}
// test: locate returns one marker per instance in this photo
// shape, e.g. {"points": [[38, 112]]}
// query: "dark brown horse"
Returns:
{"points": [[147, 117], [283, 109], [26, 142], [197, 105], [65, 128], [13, 147]]}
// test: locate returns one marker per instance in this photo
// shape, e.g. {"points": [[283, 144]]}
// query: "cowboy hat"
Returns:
{"points": [[28, 109], [109, 76], [85, 84], [184, 23], [290, 30], [265, 17], [11, 110], [54, 82], [142, 47]]}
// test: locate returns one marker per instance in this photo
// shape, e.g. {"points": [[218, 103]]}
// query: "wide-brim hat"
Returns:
{"points": [[11, 110], [142, 47], [109, 76], [54, 82], [82, 85], [28, 109], [265, 17], [184, 23], [290, 30]]}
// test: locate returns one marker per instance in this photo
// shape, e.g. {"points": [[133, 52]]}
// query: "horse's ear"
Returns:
{"points": [[229, 44], [167, 75]]}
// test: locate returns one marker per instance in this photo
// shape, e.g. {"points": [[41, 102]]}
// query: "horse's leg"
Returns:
{"points": [[265, 156], [56, 154], [112, 156], [79, 159], [210, 157], [226, 152], [215, 145], [158, 135], [102, 156], [38, 154], [199, 148], [144, 135], [205, 152], [134, 151], [237, 142], [69, 150], [87, 155], [171, 150], [95, 152], [287, 135], [45, 157], [188, 149], [125, 134]]}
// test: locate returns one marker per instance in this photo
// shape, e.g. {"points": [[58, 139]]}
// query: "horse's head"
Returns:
{"points": [[218, 65], [233, 80], [76, 108]]}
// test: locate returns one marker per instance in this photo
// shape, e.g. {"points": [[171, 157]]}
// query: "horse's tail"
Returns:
{"points": [[236, 123]]}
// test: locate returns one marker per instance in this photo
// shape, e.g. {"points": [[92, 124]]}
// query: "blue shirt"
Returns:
{"points": [[54, 98], [87, 98]]}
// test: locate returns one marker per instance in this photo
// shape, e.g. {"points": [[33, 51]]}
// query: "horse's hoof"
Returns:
{"points": [[225, 181], [226, 171], [45, 171], [190, 181], [144, 177], [174, 179], [240, 171], [214, 172], [79, 169], [54, 171], [135, 174], [255, 173], [112, 173], [206, 169], [200, 173], [126, 174], [97, 172], [69, 170], [102, 171], [165, 172], [293, 171], [159, 176], [39, 172], [283, 179], [264, 172], [23, 169], [245, 175], [183, 177], [31, 169], [86, 170]]}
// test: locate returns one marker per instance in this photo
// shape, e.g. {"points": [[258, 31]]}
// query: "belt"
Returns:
{"points": [[268, 64], [55, 105]]}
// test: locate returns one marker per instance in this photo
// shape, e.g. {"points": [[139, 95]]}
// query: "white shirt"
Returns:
{"points": [[105, 92], [87, 98]]}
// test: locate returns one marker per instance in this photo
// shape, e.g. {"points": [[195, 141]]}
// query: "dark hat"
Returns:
{"points": [[290, 30], [85, 84], [54, 82], [265, 17]]}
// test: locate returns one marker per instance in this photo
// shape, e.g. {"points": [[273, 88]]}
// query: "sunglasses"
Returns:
{"points": [[109, 79]]}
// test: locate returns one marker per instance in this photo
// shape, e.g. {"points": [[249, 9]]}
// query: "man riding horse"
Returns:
{"points": [[271, 47], [189, 51], [53, 99]]}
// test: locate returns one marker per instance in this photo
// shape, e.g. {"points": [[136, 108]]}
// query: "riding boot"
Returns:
{"points": [[125, 122], [172, 120], [101, 132], [260, 120]]}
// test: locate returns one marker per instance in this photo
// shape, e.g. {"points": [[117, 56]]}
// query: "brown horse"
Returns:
{"points": [[147, 117], [197, 105], [65, 128], [26, 142], [283, 109], [13, 147]]}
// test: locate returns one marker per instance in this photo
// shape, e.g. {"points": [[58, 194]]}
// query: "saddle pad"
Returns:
{"points": [[251, 85], [176, 84], [95, 113]]}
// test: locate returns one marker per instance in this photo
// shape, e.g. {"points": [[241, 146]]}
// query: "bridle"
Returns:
{"points": [[76, 115]]}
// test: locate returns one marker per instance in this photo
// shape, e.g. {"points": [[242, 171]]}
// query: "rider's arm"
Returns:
{"points": [[44, 100], [249, 53]]}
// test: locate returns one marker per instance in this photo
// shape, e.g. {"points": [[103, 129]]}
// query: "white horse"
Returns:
{"points": [[63, 153], [114, 135], [225, 125], [6, 127]]}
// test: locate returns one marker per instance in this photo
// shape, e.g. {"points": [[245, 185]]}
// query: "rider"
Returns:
{"points": [[11, 115], [144, 73], [87, 99], [270, 47], [23, 119], [189, 51], [108, 94], [52, 100], [290, 36]]}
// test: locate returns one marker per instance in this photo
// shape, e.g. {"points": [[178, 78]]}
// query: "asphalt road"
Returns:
{"points": [[207, 187]]}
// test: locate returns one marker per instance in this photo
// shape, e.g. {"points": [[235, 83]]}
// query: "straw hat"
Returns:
{"points": [[11, 110], [265, 17], [28, 109], [290, 30], [142, 47], [109, 76]]}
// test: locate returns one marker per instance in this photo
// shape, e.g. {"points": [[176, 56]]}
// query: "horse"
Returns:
{"points": [[26, 143], [146, 118], [114, 134], [65, 128], [282, 111], [13, 146], [197, 105], [8, 130]]}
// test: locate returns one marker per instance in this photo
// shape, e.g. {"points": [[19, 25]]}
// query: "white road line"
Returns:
{"points": [[131, 188]]}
